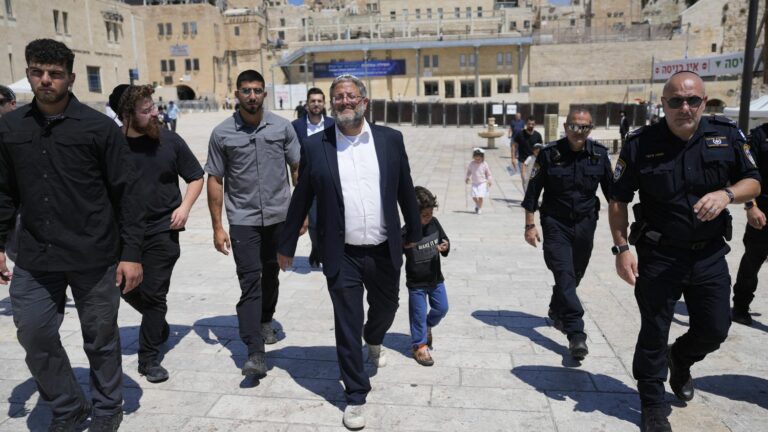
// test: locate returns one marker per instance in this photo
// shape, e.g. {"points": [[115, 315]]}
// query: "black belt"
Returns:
{"points": [[367, 246], [655, 237]]}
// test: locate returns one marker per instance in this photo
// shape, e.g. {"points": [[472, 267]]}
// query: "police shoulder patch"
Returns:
{"points": [[535, 170], [748, 155], [717, 119], [618, 171], [636, 132]]}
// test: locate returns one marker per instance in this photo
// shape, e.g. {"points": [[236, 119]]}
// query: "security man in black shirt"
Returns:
{"points": [[756, 236], [65, 167], [569, 171], [687, 168]]}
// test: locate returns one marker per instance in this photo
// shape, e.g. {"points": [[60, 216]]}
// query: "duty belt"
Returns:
{"points": [[657, 238]]}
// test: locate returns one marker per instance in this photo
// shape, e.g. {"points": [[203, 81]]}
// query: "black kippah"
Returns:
{"points": [[114, 98]]}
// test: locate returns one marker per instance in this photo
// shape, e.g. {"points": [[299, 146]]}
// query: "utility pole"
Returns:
{"points": [[749, 66]]}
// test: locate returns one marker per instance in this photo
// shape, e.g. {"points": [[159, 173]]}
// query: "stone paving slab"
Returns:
{"points": [[500, 366]]}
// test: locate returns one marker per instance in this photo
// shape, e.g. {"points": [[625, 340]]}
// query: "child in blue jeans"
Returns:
{"points": [[425, 280]]}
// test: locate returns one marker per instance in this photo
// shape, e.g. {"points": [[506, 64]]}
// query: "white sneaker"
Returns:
{"points": [[479, 211], [377, 355], [354, 418]]}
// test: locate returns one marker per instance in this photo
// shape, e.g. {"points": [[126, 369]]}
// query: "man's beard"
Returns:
{"points": [[50, 97], [151, 130], [350, 120], [251, 111]]}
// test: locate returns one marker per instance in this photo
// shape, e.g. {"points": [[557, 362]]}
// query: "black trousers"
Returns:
{"points": [[38, 300], [159, 253], [255, 251], [362, 269], [567, 250], [755, 253], [666, 273]]}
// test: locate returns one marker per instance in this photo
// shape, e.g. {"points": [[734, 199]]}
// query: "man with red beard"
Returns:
{"points": [[65, 168], [161, 157]]}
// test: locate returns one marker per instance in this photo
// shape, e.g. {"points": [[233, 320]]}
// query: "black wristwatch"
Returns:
{"points": [[749, 204], [731, 196], [617, 249]]}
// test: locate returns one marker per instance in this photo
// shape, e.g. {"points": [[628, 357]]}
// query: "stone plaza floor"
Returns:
{"points": [[499, 364]]}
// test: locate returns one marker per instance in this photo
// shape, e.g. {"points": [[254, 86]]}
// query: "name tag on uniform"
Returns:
{"points": [[716, 141]]}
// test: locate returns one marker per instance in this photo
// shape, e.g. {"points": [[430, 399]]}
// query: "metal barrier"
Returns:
{"points": [[455, 114]]}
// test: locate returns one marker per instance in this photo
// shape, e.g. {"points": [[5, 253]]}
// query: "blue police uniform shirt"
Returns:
{"points": [[569, 180], [672, 175], [758, 143]]}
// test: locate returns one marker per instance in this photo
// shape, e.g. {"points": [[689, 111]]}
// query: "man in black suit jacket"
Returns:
{"points": [[358, 173], [314, 122]]}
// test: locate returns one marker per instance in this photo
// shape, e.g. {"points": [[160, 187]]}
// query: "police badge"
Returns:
{"points": [[619, 170]]}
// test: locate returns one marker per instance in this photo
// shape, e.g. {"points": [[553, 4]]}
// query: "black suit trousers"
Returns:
{"points": [[361, 269]]}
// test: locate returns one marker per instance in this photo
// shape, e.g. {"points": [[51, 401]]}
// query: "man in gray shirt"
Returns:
{"points": [[247, 158]]}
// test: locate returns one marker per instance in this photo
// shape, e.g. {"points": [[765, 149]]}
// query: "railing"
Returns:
{"points": [[454, 114]]}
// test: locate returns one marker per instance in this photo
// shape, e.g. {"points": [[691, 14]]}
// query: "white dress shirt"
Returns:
{"points": [[360, 188], [315, 128]]}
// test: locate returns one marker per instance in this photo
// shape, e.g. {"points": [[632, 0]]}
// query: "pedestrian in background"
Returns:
{"points": [[479, 176]]}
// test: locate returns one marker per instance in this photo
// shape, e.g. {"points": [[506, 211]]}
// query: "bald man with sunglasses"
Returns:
{"points": [[687, 169], [568, 171]]}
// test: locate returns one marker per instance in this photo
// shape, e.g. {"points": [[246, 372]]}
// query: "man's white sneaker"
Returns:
{"points": [[354, 418], [377, 355]]}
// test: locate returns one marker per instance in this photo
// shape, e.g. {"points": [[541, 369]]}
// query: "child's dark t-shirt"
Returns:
{"points": [[422, 262]]}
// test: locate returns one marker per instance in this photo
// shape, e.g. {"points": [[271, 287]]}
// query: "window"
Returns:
{"points": [[457, 12], [426, 61], [526, 24], [467, 88], [509, 59], [237, 30], [714, 47], [281, 35], [168, 29], [163, 66], [440, 13], [282, 22], [193, 28], [503, 85], [429, 13], [462, 60], [472, 60], [168, 80], [449, 91], [513, 24], [405, 13], [499, 59], [434, 61], [160, 29], [185, 28], [56, 21], [485, 88], [392, 15], [172, 65], [64, 19], [431, 88], [573, 22], [233, 57], [196, 64], [187, 65], [469, 12], [479, 12], [8, 9], [94, 79], [418, 13]]}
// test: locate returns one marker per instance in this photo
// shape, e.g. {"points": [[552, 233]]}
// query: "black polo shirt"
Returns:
{"points": [[74, 182], [525, 142], [671, 175]]}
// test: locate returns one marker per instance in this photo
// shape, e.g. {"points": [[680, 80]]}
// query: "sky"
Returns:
{"points": [[296, 2], [554, 2]]}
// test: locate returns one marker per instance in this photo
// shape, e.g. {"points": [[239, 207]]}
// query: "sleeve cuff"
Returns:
{"points": [[131, 254]]}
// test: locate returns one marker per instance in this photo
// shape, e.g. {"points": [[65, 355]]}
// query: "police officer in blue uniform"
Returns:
{"points": [[687, 169], [569, 171], [756, 236]]}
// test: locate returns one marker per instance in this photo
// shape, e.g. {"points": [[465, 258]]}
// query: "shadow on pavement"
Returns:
{"points": [[5, 307], [39, 416], [743, 388], [131, 333], [224, 330], [525, 325], [314, 368], [560, 384]]}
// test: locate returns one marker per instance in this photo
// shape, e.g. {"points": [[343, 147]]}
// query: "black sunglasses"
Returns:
{"points": [[677, 102], [577, 128], [247, 91]]}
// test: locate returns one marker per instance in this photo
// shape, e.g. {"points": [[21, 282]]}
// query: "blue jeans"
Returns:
{"points": [[417, 311]]}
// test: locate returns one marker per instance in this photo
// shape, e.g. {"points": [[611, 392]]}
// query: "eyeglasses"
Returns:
{"points": [[580, 129], [246, 91], [352, 98], [3, 102], [677, 102]]}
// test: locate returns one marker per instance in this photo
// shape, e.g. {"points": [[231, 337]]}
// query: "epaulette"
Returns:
{"points": [[550, 145], [636, 132], [722, 120], [597, 144]]}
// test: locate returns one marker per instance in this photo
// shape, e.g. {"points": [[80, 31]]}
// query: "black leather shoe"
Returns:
{"points": [[268, 333], [153, 372], [741, 316], [256, 366], [679, 378], [110, 423], [71, 424], [578, 346], [654, 419]]}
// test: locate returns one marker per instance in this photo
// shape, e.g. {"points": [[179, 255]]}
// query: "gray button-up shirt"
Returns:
{"points": [[252, 161]]}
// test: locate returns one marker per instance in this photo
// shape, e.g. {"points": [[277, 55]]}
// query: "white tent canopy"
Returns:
{"points": [[21, 86], [758, 108]]}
